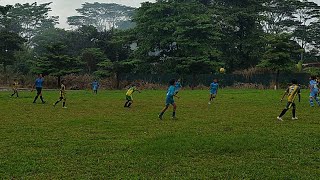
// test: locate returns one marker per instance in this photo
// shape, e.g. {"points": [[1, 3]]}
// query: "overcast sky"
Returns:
{"points": [[66, 8]]}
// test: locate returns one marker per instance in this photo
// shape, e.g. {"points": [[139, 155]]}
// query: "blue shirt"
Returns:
{"points": [[214, 86], [178, 85], [39, 82], [313, 85], [95, 85], [171, 92]]}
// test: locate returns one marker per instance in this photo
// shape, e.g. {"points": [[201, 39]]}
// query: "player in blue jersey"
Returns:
{"points": [[171, 93], [178, 86], [95, 86], [314, 90], [214, 86], [38, 85]]}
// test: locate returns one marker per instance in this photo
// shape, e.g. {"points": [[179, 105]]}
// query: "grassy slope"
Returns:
{"points": [[236, 137]]}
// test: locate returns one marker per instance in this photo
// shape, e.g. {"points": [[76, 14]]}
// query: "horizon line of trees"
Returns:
{"points": [[169, 36]]}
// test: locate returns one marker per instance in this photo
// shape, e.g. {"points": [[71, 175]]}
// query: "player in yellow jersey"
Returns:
{"points": [[292, 92], [15, 88], [129, 93], [62, 95]]}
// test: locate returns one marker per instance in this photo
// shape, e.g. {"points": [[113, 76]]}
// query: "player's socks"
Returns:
{"points": [[311, 102], [35, 99], [283, 112], [64, 104], [294, 112], [174, 114], [126, 104], [129, 104], [42, 99], [317, 99]]}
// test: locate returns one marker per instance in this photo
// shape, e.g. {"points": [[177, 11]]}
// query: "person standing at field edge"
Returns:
{"points": [[314, 90], [15, 88], [292, 91], [178, 86], [38, 84], [95, 86], [129, 98], [214, 86], [62, 95], [170, 100]]}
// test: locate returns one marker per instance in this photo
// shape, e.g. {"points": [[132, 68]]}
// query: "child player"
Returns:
{"points": [[169, 99], [129, 97], [38, 85], [95, 86], [214, 86], [293, 91], [15, 88], [314, 90], [62, 95], [178, 86]]}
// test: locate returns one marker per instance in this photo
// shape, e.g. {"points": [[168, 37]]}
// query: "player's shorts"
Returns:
{"points": [[129, 98], [290, 104], [169, 101], [39, 90], [213, 92], [314, 93]]}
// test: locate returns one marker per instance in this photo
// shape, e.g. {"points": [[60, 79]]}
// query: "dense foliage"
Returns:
{"points": [[168, 36]]}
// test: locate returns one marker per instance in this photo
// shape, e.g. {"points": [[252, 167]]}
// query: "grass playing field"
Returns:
{"points": [[237, 137]]}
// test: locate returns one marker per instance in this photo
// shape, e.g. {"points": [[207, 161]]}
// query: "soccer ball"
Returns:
{"points": [[222, 70]]}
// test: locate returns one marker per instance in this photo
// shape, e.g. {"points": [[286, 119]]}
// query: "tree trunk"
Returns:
{"points": [[5, 73], [59, 80], [117, 80], [277, 79], [193, 81]]}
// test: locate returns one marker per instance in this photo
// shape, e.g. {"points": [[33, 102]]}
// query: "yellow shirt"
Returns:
{"points": [[62, 90], [15, 85], [131, 91], [293, 91]]}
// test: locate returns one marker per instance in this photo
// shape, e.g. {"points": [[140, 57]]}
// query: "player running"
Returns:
{"points": [[38, 85], [314, 90], [15, 88], [214, 86], [62, 95], [170, 100], [293, 91], [129, 94]]}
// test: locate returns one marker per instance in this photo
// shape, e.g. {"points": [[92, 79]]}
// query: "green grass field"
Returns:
{"points": [[237, 137]]}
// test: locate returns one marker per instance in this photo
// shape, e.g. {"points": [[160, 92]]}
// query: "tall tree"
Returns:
{"points": [[103, 16], [29, 19], [281, 54]]}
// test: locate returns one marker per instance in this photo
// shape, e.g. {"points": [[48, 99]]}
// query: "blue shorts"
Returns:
{"points": [[213, 92], [169, 101], [314, 93]]}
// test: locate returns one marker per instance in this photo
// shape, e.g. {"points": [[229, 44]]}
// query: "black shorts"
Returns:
{"points": [[39, 90]]}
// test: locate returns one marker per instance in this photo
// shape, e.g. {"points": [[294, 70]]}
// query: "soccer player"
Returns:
{"points": [[292, 91], [214, 86], [62, 95], [314, 90], [178, 86], [95, 86], [170, 100], [38, 84], [129, 97], [15, 88]]}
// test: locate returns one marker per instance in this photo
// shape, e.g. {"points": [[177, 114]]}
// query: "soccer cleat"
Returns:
{"points": [[160, 117], [54, 104], [173, 117], [209, 103], [279, 118], [64, 107], [294, 118]]}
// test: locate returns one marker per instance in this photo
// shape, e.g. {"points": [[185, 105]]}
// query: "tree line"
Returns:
{"points": [[166, 37]]}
